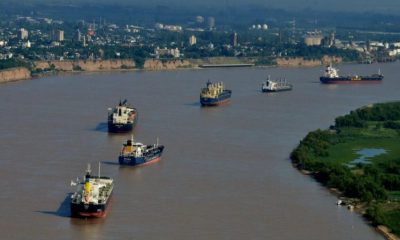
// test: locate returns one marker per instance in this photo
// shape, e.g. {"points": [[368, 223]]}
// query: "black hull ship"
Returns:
{"points": [[92, 196], [135, 153], [122, 118], [331, 76]]}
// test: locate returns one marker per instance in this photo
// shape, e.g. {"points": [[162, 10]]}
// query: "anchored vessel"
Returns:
{"points": [[92, 195], [331, 76], [214, 94], [136, 153], [276, 86], [122, 118]]}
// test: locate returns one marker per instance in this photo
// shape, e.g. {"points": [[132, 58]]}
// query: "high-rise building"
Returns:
{"points": [[192, 40], [58, 36], [23, 34], [77, 36], [211, 23], [234, 39], [84, 41]]}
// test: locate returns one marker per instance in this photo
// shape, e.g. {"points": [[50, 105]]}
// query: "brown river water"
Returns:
{"points": [[225, 172]]}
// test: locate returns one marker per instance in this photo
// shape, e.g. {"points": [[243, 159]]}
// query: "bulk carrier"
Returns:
{"points": [[214, 94]]}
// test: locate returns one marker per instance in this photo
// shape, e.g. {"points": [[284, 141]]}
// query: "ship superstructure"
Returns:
{"points": [[122, 118], [92, 195], [214, 94]]}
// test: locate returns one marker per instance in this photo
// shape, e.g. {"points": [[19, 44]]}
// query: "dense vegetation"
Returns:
{"points": [[11, 63], [328, 155]]}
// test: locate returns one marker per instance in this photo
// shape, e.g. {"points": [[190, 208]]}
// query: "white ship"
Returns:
{"points": [[276, 86]]}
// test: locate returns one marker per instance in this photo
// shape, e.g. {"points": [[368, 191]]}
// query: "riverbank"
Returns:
{"points": [[45, 68], [15, 74], [358, 158]]}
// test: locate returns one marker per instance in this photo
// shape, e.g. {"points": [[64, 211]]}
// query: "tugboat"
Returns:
{"points": [[331, 76], [276, 86], [122, 118], [92, 195], [136, 153], [214, 94]]}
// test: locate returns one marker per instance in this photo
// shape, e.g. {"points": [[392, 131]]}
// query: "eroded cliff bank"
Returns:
{"points": [[83, 65], [154, 64], [14, 74], [301, 62], [40, 68]]}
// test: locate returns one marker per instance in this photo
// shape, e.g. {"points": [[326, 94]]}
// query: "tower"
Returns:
{"points": [[234, 39]]}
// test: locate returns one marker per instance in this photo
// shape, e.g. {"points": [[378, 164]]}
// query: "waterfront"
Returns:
{"points": [[225, 173]]}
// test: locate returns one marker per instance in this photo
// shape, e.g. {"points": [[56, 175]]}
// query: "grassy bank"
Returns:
{"points": [[359, 156]]}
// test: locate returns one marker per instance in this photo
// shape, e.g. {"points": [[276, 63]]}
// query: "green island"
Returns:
{"points": [[359, 158]]}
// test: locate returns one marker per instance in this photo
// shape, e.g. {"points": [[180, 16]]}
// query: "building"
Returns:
{"points": [[162, 52], [84, 41], [211, 23], [192, 40], [77, 36], [199, 19], [58, 36], [172, 28], [329, 41], [26, 44], [234, 39], [159, 26], [23, 34], [313, 38]]}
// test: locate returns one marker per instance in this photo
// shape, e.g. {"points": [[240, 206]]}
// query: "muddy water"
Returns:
{"points": [[225, 173]]}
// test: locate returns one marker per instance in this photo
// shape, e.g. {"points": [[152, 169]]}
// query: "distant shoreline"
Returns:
{"points": [[50, 68]]}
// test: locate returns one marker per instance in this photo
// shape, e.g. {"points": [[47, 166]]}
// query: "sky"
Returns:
{"points": [[352, 5], [378, 6]]}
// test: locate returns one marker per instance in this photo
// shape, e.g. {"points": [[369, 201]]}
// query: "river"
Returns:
{"points": [[225, 173]]}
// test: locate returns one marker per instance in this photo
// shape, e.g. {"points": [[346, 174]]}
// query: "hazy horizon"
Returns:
{"points": [[383, 6]]}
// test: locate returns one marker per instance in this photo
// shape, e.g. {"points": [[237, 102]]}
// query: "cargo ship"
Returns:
{"points": [[214, 94], [276, 86], [331, 76], [92, 196], [136, 153], [122, 118]]}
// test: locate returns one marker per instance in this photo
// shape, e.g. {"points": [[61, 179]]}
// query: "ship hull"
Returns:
{"points": [[150, 157], [276, 90], [89, 210], [120, 128], [221, 99], [347, 80]]}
